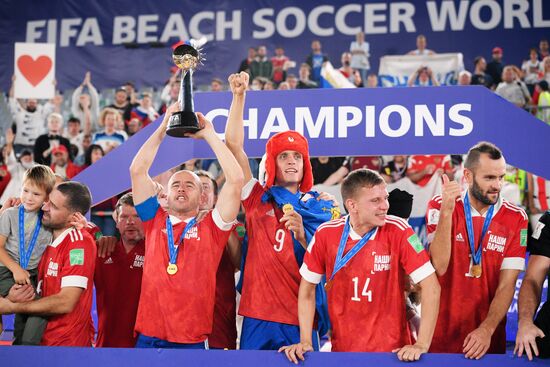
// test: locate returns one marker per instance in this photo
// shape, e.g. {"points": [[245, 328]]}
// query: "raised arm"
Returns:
{"points": [[143, 186], [229, 200], [13, 104], [440, 247], [75, 100], [87, 121], [94, 97], [234, 131]]}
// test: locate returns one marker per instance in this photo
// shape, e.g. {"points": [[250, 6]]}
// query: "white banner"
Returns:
{"points": [[34, 70], [396, 70]]}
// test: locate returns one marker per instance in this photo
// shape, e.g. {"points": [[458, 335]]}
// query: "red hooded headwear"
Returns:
{"points": [[287, 140]]}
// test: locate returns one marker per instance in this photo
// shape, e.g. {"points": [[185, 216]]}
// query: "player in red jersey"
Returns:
{"points": [[224, 330], [65, 272], [179, 276], [478, 243], [421, 168], [366, 257], [276, 239], [117, 279]]}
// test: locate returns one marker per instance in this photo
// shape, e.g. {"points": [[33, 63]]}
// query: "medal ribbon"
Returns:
{"points": [[172, 248], [476, 255], [25, 256], [342, 261]]}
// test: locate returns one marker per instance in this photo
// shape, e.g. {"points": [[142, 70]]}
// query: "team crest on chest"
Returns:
{"points": [[52, 269], [381, 262], [192, 233], [496, 243], [138, 261]]}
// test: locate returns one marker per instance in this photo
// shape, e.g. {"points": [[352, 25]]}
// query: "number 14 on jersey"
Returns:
{"points": [[366, 292]]}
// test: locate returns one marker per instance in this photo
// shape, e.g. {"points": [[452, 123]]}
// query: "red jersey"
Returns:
{"points": [[224, 330], [69, 261], [465, 300], [278, 63], [366, 302], [373, 163], [179, 308], [71, 169], [118, 284], [93, 230], [271, 275], [420, 162]]}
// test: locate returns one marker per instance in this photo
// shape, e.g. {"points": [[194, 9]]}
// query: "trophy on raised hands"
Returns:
{"points": [[187, 57]]}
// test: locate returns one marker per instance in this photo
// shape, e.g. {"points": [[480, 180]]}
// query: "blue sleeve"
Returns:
{"points": [[148, 209]]}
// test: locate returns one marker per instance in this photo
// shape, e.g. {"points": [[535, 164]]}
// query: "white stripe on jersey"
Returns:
{"points": [[309, 275], [514, 208], [311, 243], [76, 235], [398, 222], [422, 272], [513, 263], [332, 224]]}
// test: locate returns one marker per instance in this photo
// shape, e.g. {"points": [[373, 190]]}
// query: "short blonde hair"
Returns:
{"points": [[107, 111], [40, 176], [56, 115]]}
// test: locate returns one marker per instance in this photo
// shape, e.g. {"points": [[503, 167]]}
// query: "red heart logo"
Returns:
{"points": [[34, 70]]}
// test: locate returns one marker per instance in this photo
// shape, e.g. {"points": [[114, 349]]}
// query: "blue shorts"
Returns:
{"points": [[267, 335], [144, 341]]}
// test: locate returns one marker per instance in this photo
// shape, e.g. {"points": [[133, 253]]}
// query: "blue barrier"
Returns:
{"points": [[88, 357]]}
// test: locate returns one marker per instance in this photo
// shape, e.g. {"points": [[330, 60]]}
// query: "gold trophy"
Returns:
{"points": [[187, 57]]}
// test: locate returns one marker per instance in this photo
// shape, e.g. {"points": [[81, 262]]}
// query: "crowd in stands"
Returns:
{"points": [[73, 131]]}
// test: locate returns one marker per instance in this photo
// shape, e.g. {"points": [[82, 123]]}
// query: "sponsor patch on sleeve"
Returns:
{"points": [[414, 241], [538, 230], [98, 235], [433, 216], [76, 256], [523, 238], [240, 231]]}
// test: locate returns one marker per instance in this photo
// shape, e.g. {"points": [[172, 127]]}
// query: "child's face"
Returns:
{"points": [[32, 196]]}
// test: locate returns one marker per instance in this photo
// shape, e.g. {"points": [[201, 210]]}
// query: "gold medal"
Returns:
{"points": [[172, 269], [328, 285], [476, 270], [335, 212], [288, 208]]}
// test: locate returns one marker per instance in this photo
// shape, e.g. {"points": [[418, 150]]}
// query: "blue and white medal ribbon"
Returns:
{"points": [[25, 254], [172, 248], [341, 260], [476, 254]]}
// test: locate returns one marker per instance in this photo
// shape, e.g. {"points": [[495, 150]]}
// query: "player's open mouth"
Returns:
{"points": [[291, 170]]}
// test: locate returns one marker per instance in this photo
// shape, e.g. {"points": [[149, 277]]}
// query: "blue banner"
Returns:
{"points": [[350, 122], [130, 40], [88, 357]]}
